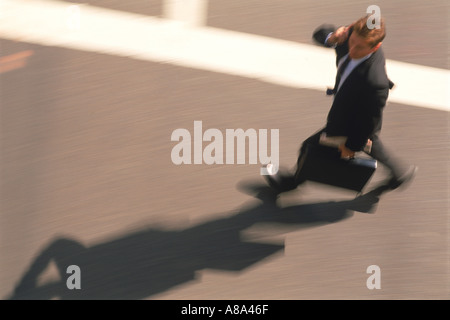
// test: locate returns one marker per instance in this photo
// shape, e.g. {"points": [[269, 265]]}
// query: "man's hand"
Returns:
{"points": [[346, 153], [340, 35]]}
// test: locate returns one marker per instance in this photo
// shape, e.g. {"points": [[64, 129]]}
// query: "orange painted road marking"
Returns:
{"points": [[15, 61]]}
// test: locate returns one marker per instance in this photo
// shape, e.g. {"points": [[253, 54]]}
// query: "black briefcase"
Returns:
{"points": [[324, 164]]}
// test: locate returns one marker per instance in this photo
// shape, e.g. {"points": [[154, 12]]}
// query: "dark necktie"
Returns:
{"points": [[339, 74]]}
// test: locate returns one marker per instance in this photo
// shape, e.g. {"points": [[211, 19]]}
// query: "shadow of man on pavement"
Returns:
{"points": [[151, 261]]}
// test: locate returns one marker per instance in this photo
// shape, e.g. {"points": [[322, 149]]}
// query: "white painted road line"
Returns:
{"points": [[271, 60], [190, 12]]}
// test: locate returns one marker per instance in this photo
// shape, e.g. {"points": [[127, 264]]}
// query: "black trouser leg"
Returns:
{"points": [[381, 154]]}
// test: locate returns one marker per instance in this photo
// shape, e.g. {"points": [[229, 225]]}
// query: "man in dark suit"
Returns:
{"points": [[360, 94]]}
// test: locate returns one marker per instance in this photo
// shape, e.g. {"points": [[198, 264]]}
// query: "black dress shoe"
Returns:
{"points": [[408, 176], [272, 181], [281, 181]]}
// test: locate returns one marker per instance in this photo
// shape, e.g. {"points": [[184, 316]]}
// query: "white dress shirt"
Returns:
{"points": [[350, 67]]}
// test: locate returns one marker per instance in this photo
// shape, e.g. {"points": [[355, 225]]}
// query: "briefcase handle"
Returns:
{"points": [[336, 141]]}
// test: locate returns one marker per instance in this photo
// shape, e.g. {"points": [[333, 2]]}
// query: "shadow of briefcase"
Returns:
{"points": [[324, 164]]}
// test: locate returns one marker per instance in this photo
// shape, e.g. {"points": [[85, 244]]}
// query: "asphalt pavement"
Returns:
{"points": [[87, 177]]}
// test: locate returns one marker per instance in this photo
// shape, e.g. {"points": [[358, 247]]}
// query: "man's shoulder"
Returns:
{"points": [[375, 70]]}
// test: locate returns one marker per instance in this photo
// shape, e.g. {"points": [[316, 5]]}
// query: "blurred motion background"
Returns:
{"points": [[87, 177]]}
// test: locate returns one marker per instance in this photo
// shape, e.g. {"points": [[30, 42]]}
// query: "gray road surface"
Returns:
{"points": [[87, 177]]}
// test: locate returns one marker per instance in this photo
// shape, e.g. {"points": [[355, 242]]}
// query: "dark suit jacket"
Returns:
{"points": [[357, 109]]}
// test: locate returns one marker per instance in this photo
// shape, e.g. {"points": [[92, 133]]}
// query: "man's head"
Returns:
{"points": [[363, 40]]}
